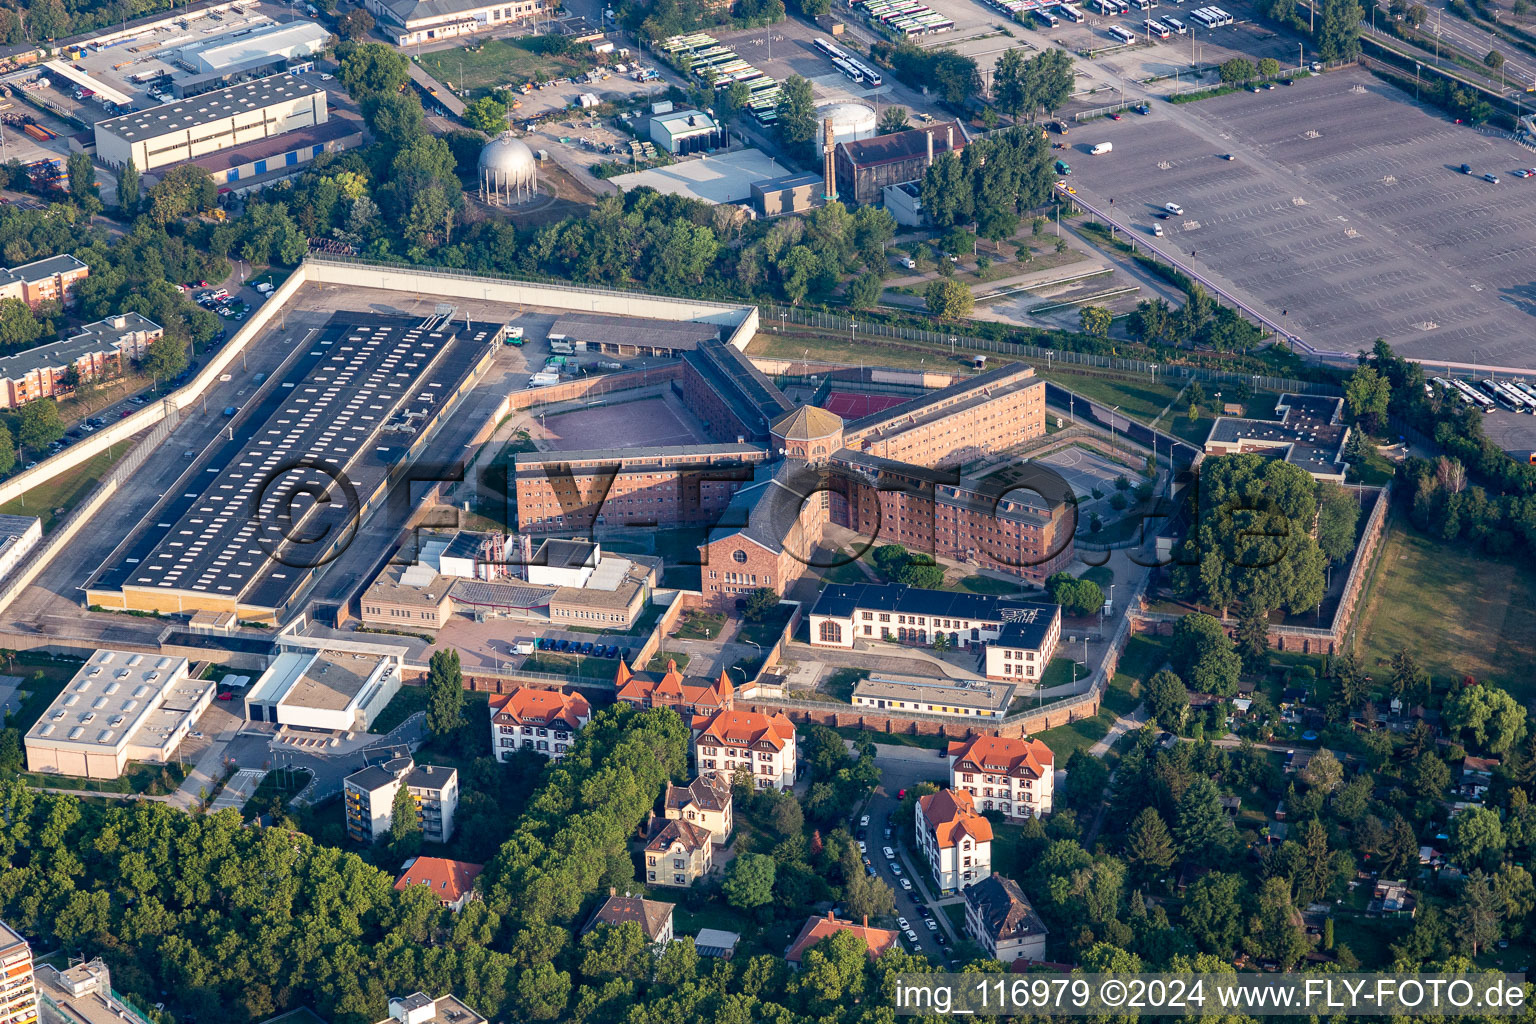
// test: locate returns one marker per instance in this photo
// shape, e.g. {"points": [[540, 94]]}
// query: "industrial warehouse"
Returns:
{"points": [[365, 394]]}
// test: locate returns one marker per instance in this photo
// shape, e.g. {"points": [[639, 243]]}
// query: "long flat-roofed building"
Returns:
{"points": [[119, 707], [255, 165], [183, 130], [1308, 431], [418, 1008], [420, 21], [95, 351], [288, 39], [631, 336], [972, 418], [956, 697]]}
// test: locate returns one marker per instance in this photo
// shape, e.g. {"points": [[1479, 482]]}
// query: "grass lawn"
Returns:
{"points": [[406, 703], [1061, 671], [893, 739], [983, 585], [767, 632], [280, 784], [956, 911], [881, 352], [1080, 735], [700, 626], [1460, 612], [498, 62], [571, 665], [658, 662], [845, 574], [53, 500], [1103, 575], [839, 685], [1139, 399]]}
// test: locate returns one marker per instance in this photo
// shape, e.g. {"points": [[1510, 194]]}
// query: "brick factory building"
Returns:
{"points": [[864, 167]]}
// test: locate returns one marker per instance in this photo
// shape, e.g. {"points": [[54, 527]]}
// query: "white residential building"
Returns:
{"points": [[747, 739], [1014, 776], [370, 799], [544, 721], [954, 839]]}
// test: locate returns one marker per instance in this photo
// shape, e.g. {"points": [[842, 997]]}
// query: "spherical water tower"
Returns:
{"points": [[508, 171]]}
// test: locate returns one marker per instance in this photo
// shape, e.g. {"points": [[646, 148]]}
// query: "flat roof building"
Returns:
{"points": [[333, 689], [369, 796], [255, 165], [417, 21], [418, 1008], [183, 130], [1308, 432], [956, 697], [18, 987], [288, 39], [119, 707]]}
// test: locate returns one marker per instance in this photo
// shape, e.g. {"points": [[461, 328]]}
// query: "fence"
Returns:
{"points": [[967, 343]]}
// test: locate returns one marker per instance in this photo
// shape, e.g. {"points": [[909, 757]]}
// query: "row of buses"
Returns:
{"points": [[709, 61], [1045, 13], [1513, 395], [907, 18], [1211, 17], [856, 70]]}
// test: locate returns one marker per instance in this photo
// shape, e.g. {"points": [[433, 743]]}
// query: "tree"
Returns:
{"points": [[1204, 656], [1149, 845], [1477, 838], [40, 425], [7, 451], [165, 358], [128, 188], [797, 117], [1168, 700], [921, 573], [355, 24], [949, 299], [1494, 719], [1323, 772], [760, 604], [542, 991], [395, 118], [1010, 89], [1076, 597], [865, 290], [1238, 69], [373, 69], [404, 824], [1095, 321], [616, 951], [947, 193], [1151, 322], [1275, 931], [1479, 916], [18, 327], [1428, 776], [1213, 911], [893, 119], [47, 20], [82, 175], [866, 896], [1338, 33], [748, 881], [1252, 639], [1494, 60], [1269, 67], [1366, 396], [445, 693], [1337, 515], [1202, 826], [487, 114]]}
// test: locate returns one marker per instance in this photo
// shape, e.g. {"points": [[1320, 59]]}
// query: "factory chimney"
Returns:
{"points": [[929, 136], [828, 170]]}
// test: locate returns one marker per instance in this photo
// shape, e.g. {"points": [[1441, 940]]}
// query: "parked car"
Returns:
{"points": [[903, 924], [890, 854], [906, 884], [862, 847], [1524, 173], [933, 925], [895, 869], [864, 821]]}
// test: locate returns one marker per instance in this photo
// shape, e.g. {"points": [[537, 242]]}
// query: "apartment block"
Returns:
{"points": [[706, 801], [96, 351], [954, 839], [1013, 776], [18, 987], [763, 745], [544, 721], [370, 799], [1002, 921]]}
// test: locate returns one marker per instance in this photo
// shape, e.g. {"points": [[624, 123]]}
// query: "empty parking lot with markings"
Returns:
{"points": [[1343, 211]]}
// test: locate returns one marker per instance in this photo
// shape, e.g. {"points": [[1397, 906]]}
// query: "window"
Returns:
{"points": [[831, 632], [740, 557]]}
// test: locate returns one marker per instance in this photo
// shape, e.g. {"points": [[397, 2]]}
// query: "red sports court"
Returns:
{"points": [[850, 405]]}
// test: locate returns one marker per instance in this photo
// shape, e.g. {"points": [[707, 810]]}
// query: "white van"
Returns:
{"points": [[1102, 148], [1175, 209]]}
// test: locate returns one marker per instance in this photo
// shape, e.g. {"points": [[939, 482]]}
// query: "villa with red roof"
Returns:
{"points": [[731, 740], [529, 718], [451, 881], [877, 940], [1014, 776], [670, 690], [954, 839]]}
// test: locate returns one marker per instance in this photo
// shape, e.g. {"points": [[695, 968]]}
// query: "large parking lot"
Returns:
{"points": [[1343, 213]]}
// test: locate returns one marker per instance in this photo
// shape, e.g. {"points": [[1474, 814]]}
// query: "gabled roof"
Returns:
{"points": [[1005, 912], [651, 915], [707, 792], [878, 940], [1000, 755], [448, 879], [668, 833], [907, 145], [951, 814], [747, 730], [529, 705], [672, 688]]}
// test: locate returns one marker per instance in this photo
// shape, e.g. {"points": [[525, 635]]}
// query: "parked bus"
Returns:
{"points": [[1071, 13], [1156, 28], [1122, 34], [1047, 18], [829, 49], [1175, 24], [871, 76]]}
